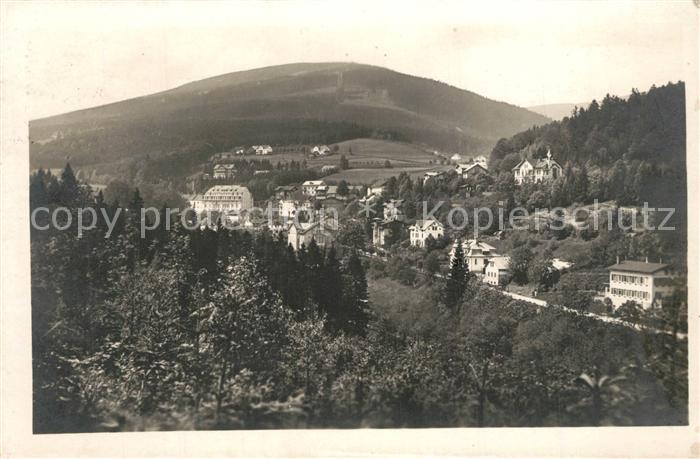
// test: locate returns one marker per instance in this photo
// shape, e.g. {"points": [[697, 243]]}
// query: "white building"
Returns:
{"points": [[310, 187], [497, 270], [287, 208], [321, 150], [392, 210], [639, 281], [431, 175], [456, 157], [377, 188], [223, 198], [224, 171], [561, 265], [423, 229], [477, 254], [262, 150], [482, 161], [535, 171]]}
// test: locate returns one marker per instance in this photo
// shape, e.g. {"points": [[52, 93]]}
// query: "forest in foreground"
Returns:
{"points": [[219, 329]]}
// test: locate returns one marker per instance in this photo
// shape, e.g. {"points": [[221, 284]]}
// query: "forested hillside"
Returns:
{"points": [[631, 150], [648, 126]]}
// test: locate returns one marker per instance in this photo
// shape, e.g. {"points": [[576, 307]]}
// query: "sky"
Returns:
{"points": [[79, 55]]}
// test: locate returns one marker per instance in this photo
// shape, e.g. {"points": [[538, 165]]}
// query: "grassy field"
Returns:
{"points": [[381, 150], [364, 154], [367, 159], [367, 176]]}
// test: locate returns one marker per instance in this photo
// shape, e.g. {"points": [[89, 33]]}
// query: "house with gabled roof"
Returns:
{"points": [[424, 229], [299, 234], [224, 171], [310, 187], [262, 150], [377, 188], [470, 170], [645, 283], [321, 150], [476, 254], [431, 175], [392, 209], [537, 171], [285, 191], [497, 271]]}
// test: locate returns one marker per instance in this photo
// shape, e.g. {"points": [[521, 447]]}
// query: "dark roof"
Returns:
{"points": [[638, 267], [544, 164], [520, 163], [472, 166]]}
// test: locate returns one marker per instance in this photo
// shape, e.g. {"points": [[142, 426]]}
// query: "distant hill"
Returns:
{"points": [[556, 111], [294, 103]]}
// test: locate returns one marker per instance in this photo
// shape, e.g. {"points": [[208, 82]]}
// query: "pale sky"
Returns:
{"points": [[79, 55]]}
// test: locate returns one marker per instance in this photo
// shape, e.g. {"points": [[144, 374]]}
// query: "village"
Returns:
{"points": [[391, 226]]}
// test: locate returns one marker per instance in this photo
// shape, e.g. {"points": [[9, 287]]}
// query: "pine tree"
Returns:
{"points": [[314, 265], [134, 245], [457, 279], [355, 296], [331, 293], [70, 192], [38, 195], [580, 186]]}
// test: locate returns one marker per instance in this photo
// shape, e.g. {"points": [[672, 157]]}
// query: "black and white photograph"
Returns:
{"points": [[269, 216]]}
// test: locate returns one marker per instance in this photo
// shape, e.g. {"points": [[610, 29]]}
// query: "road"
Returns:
{"points": [[544, 304]]}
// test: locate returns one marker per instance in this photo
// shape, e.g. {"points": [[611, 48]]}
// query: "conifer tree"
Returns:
{"points": [[331, 293], [355, 296], [38, 195], [134, 245], [314, 264], [70, 189], [457, 279]]}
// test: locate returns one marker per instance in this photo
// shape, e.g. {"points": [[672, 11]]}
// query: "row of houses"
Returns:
{"points": [[526, 171], [236, 152], [265, 150]]}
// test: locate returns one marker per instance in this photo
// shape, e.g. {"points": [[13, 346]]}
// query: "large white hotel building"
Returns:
{"points": [[223, 198]]}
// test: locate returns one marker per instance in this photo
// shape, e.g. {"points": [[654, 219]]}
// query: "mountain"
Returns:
{"points": [[556, 111], [286, 104]]}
